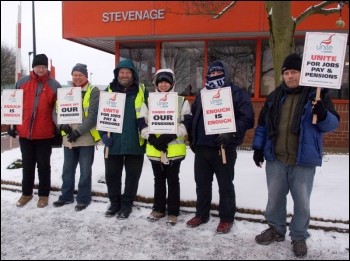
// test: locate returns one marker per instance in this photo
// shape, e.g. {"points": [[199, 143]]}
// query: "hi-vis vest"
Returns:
{"points": [[86, 103], [176, 148], [140, 98]]}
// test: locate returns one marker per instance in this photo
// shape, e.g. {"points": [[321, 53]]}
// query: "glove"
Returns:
{"points": [[66, 128], [258, 157], [165, 139], [108, 141], [224, 139], [12, 132], [57, 140], [73, 136], [152, 139], [319, 110]]}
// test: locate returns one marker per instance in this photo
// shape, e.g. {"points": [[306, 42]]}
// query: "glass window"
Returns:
{"points": [[143, 57], [240, 56], [186, 60], [267, 71]]}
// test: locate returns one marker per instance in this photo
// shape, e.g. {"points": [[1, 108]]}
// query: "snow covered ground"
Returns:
{"points": [[63, 233]]}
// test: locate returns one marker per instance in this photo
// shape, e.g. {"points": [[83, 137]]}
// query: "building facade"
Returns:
{"points": [[170, 34]]}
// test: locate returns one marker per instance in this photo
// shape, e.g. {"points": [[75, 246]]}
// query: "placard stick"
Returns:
{"points": [[11, 126], [223, 154], [107, 148], [318, 97]]}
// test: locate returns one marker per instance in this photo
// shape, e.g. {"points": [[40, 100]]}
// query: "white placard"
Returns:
{"points": [[69, 105], [162, 113], [110, 115], [12, 106], [323, 60], [219, 116]]}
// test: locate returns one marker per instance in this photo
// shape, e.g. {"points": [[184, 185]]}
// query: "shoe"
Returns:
{"points": [[171, 220], [299, 247], [43, 202], [155, 216], [111, 212], [224, 227], [124, 213], [60, 203], [196, 221], [23, 200], [80, 207], [268, 236]]}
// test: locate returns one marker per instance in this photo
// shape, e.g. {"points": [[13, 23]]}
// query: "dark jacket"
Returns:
{"points": [[244, 117], [311, 135]]}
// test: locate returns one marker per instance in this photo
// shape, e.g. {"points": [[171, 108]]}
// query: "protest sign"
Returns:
{"points": [[323, 60], [12, 106], [162, 113], [69, 105], [110, 115], [218, 111]]}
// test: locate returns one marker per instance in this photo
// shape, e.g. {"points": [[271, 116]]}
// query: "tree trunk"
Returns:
{"points": [[282, 27]]}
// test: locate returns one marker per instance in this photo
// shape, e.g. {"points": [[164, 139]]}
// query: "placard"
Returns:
{"points": [[69, 105], [12, 106], [219, 116], [323, 60], [162, 113], [110, 115]]}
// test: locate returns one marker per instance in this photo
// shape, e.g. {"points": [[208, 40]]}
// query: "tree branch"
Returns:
{"points": [[225, 10], [319, 9]]}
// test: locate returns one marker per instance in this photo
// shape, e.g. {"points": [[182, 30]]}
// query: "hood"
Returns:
{"points": [[129, 65], [155, 77]]}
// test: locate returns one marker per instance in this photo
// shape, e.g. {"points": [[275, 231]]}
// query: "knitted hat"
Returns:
{"points": [[216, 67], [79, 67], [40, 59], [164, 76], [292, 62]]}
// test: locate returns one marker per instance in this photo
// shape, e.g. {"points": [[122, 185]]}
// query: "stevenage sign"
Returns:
{"points": [[154, 14]]}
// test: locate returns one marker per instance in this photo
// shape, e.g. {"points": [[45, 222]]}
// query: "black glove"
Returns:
{"points": [[319, 110], [152, 139], [108, 141], [165, 139], [73, 136], [224, 139], [66, 128], [57, 140], [12, 132], [258, 157]]}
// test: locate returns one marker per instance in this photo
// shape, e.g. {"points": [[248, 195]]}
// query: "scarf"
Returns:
{"points": [[273, 113], [214, 82]]}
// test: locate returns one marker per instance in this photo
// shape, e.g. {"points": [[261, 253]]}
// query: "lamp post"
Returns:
{"points": [[29, 54], [91, 77]]}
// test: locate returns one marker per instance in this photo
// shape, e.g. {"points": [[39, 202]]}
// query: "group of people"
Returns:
{"points": [[285, 137]]}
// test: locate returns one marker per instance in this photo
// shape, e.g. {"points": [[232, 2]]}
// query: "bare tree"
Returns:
{"points": [[282, 24], [8, 65]]}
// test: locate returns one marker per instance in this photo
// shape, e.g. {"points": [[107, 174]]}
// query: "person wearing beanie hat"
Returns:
{"points": [[126, 150], [292, 62], [79, 67], [79, 142], [166, 151], [209, 149], [38, 132], [40, 59], [292, 147]]}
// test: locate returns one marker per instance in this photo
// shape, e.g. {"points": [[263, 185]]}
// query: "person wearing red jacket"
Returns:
{"points": [[37, 130]]}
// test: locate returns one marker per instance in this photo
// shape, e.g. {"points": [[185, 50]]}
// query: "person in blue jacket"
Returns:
{"points": [[126, 149], [292, 146], [208, 158]]}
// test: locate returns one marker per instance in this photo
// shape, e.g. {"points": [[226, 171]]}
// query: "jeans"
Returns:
{"points": [[207, 162], [162, 174], [83, 155], [36, 152], [281, 179], [114, 168]]}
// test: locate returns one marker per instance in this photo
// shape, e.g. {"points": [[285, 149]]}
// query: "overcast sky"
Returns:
{"points": [[48, 28]]}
